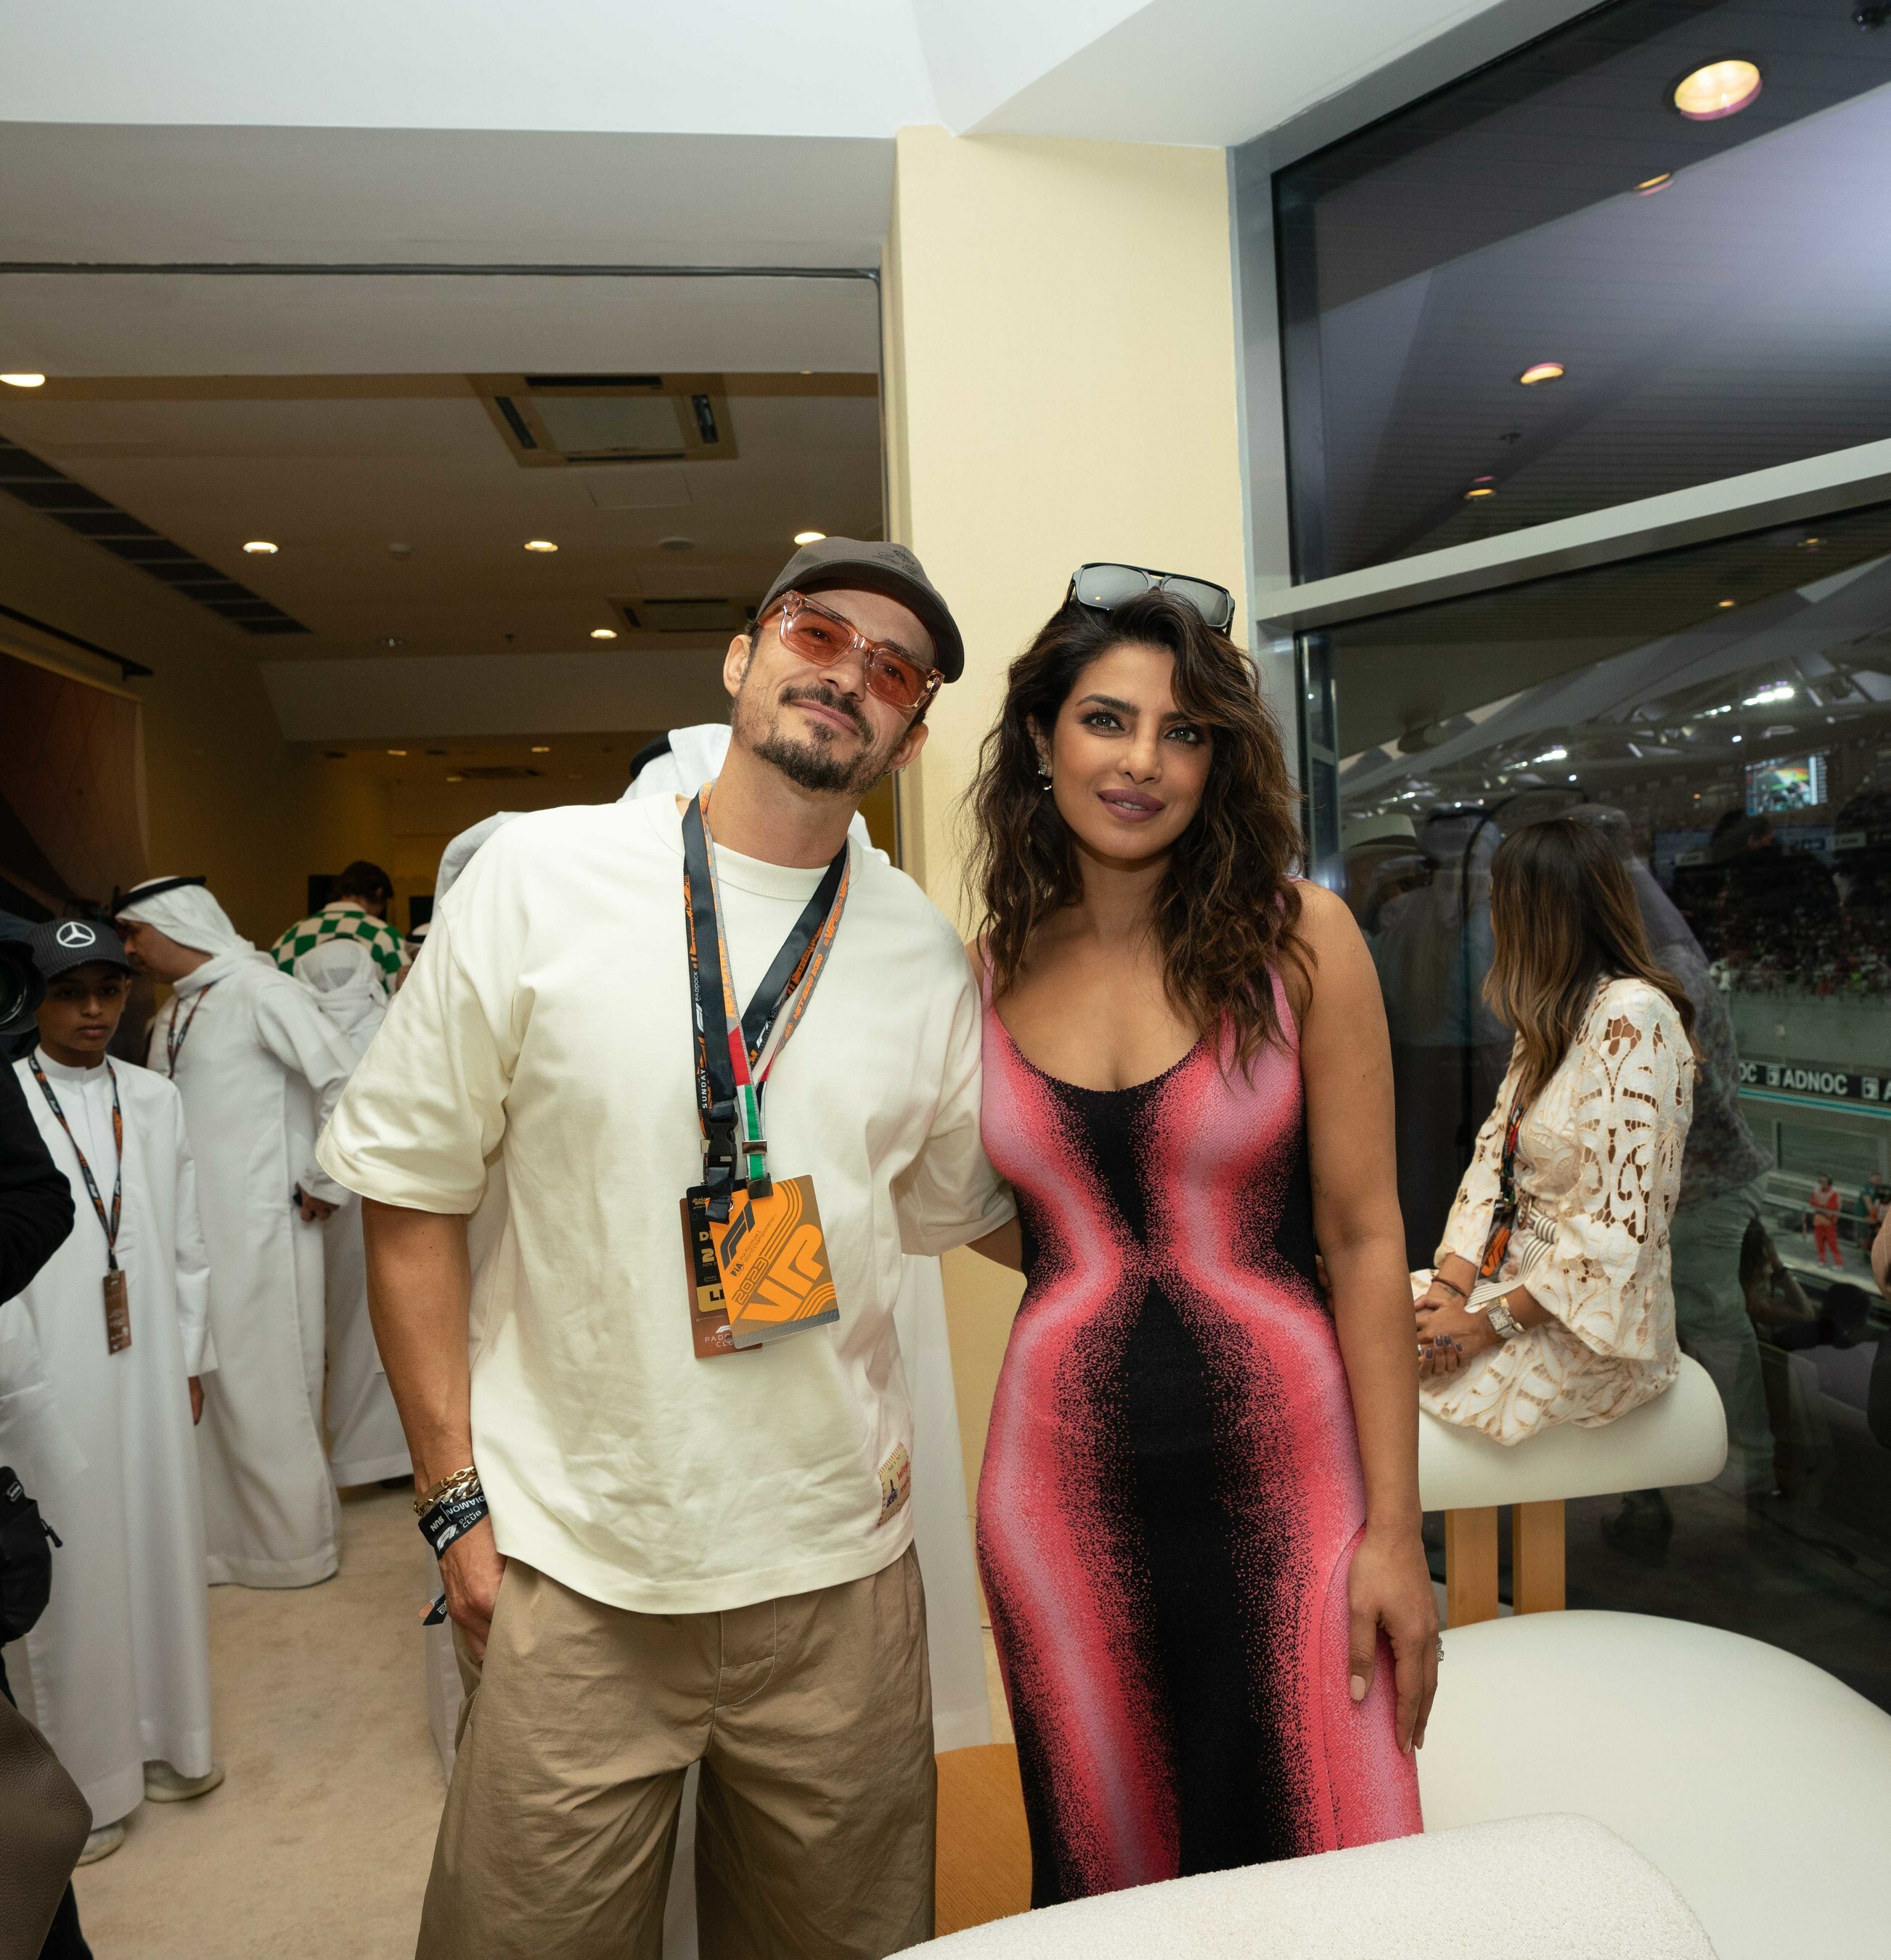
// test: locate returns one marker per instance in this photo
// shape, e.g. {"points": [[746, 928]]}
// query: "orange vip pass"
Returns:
{"points": [[773, 1257]]}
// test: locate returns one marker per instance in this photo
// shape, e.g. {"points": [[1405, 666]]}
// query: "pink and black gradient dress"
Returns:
{"points": [[1172, 1490]]}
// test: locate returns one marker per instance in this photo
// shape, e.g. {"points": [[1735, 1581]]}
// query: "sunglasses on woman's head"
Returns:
{"points": [[1103, 587], [822, 638]]}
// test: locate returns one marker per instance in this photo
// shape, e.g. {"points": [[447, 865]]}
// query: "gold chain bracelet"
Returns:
{"points": [[457, 1485]]}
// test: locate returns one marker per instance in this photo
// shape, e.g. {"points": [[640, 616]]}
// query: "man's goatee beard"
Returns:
{"points": [[810, 768]]}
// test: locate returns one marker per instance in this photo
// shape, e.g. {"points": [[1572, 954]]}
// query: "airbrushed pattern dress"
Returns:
{"points": [[1172, 1489]]}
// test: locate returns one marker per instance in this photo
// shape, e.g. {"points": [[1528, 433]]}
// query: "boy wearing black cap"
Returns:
{"points": [[120, 1662], [732, 1067]]}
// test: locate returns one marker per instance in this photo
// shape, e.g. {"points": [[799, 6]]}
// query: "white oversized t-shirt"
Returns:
{"points": [[548, 1020]]}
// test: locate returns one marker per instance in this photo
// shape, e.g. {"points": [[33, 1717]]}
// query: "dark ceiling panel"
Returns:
{"points": [[36, 482]]}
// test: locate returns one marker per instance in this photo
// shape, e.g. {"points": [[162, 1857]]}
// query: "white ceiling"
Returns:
{"points": [[1197, 72], [761, 67], [1217, 71]]}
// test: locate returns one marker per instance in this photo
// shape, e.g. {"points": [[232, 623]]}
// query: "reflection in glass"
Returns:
{"points": [[1739, 759], [1435, 267]]}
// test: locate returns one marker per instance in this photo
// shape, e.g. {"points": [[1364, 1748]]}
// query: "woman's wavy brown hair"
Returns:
{"points": [[1564, 917], [1227, 914]]}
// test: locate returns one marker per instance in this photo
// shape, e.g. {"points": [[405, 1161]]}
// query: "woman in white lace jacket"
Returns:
{"points": [[1570, 1317]]}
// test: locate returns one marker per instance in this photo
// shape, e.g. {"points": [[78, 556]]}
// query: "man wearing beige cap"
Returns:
{"points": [[731, 1067]]}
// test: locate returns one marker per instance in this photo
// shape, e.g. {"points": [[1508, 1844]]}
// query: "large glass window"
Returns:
{"points": [[1548, 290], [1728, 708]]}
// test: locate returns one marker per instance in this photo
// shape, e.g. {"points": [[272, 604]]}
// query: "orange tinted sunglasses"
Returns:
{"points": [[822, 637]]}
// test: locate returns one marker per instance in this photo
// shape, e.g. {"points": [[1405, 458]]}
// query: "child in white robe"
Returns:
{"points": [[117, 1670]]}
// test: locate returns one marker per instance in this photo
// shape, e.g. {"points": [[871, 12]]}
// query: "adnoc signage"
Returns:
{"points": [[1829, 1085]]}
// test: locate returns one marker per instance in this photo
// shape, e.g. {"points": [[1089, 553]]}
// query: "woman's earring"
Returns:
{"points": [[1044, 770]]}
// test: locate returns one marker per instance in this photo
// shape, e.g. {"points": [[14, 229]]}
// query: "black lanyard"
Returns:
{"points": [[108, 1226], [728, 1049], [174, 1036]]}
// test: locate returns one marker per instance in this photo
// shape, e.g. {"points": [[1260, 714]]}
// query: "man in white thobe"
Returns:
{"points": [[365, 1445], [117, 1670], [260, 1068]]}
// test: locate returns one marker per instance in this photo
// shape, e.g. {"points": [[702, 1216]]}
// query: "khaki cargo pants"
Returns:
{"points": [[812, 1719]]}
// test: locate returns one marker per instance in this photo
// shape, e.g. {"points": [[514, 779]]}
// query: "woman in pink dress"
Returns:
{"points": [[1198, 1520]]}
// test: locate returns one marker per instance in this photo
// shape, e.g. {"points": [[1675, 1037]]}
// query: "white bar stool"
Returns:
{"points": [[1680, 1437]]}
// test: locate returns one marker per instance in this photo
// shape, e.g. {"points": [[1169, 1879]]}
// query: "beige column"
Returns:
{"points": [[1061, 385]]}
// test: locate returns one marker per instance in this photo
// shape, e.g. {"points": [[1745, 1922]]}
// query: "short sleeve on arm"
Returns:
{"points": [[949, 1194], [426, 1106]]}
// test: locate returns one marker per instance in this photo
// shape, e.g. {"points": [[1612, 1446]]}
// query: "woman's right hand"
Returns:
{"points": [[1439, 1294]]}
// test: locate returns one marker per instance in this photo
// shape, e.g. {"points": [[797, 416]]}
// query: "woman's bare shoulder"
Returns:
{"points": [[1334, 948]]}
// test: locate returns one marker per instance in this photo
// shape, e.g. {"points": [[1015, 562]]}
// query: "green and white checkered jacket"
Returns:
{"points": [[344, 919]]}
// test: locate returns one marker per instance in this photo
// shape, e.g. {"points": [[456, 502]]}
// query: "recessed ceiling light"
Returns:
{"points": [[676, 544], [1649, 186], [23, 381], [455, 779], [390, 641], [261, 548], [1725, 604], [603, 632], [810, 537], [541, 748], [1478, 490], [397, 751], [1720, 88], [1810, 544], [1538, 372], [540, 544]]}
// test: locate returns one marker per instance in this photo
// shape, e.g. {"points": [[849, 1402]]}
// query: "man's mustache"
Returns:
{"points": [[832, 701]]}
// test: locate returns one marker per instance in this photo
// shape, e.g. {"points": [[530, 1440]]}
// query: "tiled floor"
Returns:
{"points": [[318, 1845]]}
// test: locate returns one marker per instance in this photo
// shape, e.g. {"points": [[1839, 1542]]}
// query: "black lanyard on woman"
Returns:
{"points": [[730, 1044], [109, 1226], [1503, 1212]]}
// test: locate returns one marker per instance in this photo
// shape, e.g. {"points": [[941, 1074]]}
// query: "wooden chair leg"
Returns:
{"points": [[1470, 1565], [1537, 1557]]}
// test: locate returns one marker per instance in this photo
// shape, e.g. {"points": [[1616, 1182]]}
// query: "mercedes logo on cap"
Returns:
{"points": [[76, 932]]}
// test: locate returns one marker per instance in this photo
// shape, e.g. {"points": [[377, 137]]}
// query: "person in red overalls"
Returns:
{"points": [[1825, 1203]]}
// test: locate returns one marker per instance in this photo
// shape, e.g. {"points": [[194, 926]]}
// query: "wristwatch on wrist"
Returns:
{"points": [[1503, 1323]]}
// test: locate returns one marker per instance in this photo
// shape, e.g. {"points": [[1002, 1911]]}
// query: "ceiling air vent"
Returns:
{"points": [[684, 616], [553, 421], [37, 484], [496, 772]]}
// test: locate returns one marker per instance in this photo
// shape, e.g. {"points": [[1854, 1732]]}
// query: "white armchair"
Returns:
{"points": [[1533, 1888]]}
